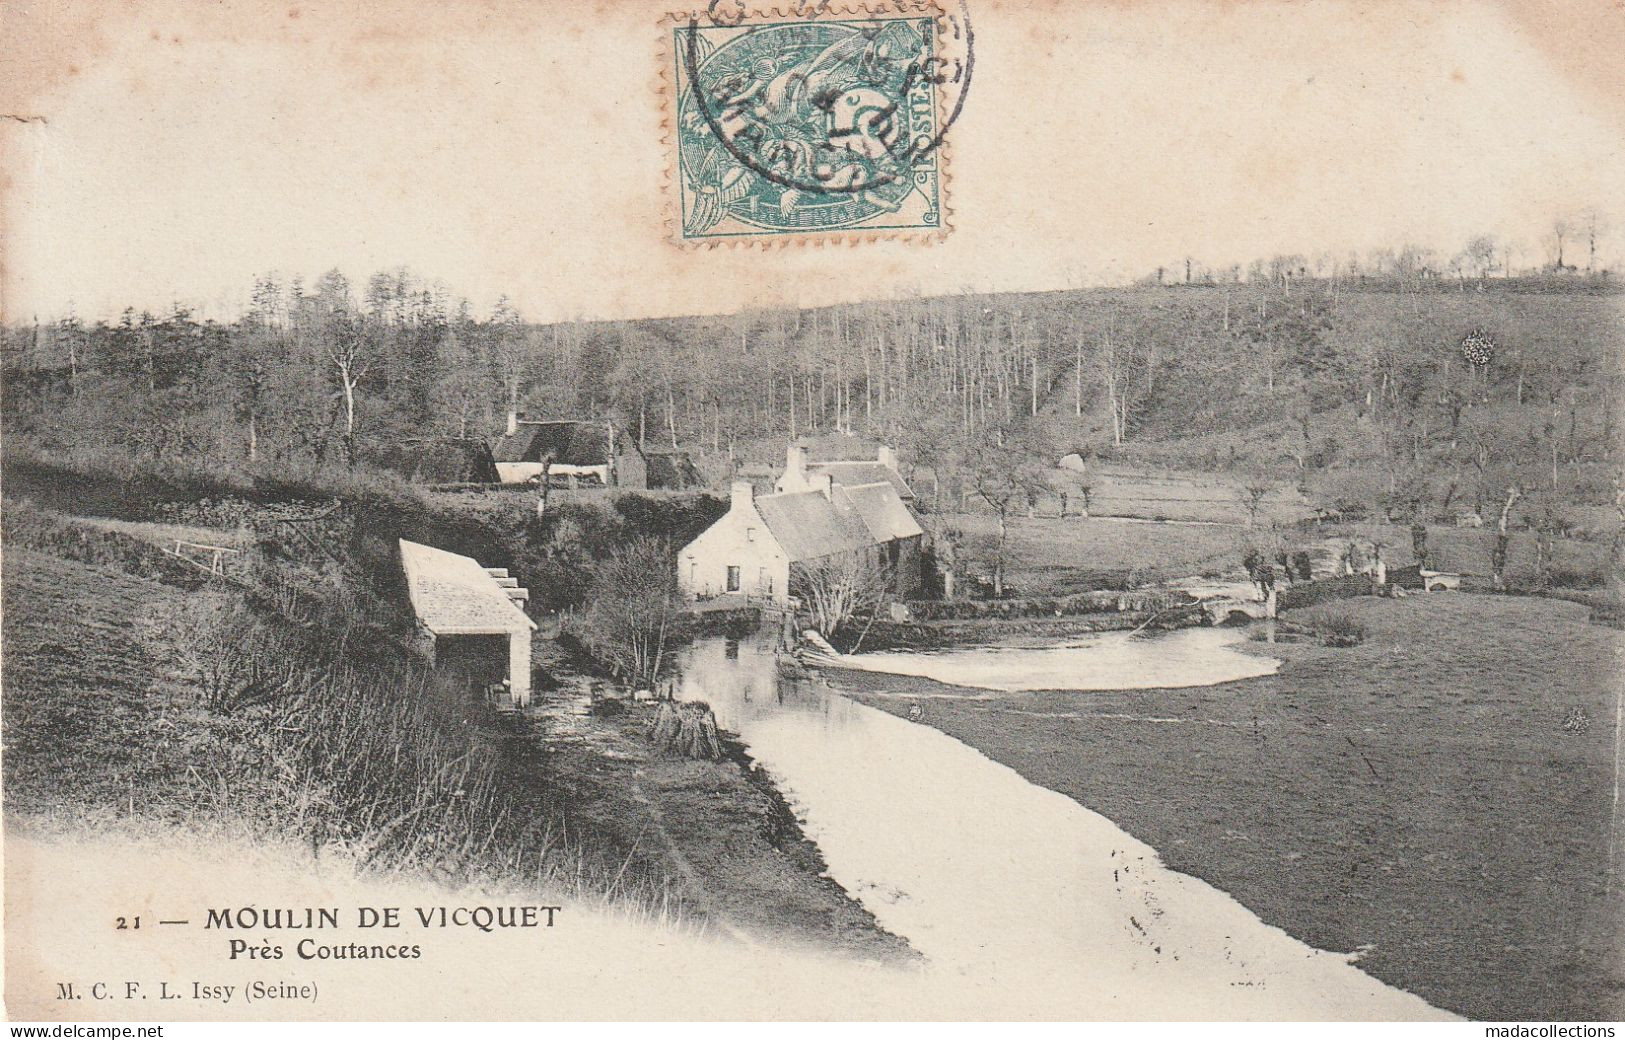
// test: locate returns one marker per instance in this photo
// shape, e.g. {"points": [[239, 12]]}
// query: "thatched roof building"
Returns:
{"points": [[438, 460]]}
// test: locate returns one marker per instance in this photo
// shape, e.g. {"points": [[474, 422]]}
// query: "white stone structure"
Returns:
{"points": [[454, 597], [819, 512], [736, 555]]}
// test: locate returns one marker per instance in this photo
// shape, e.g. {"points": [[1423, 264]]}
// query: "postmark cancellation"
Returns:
{"points": [[815, 124]]}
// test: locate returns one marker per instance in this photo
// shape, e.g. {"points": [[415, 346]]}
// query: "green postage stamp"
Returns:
{"points": [[827, 125]]}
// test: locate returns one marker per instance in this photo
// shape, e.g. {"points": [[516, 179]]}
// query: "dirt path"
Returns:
{"points": [[698, 891], [732, 852]]}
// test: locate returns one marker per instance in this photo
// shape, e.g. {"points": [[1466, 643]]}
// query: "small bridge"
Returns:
{"points": [[730, 601], [1221, 609]]}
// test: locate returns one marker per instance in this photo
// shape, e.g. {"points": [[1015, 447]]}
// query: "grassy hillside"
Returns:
{"points": [[140, 696], [129, 698], [94, 722], [1353, 396], [1209, 377], [150, 502]]}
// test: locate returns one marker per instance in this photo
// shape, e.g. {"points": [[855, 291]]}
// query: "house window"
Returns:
{"points": [[733, 579], [750, 534]]}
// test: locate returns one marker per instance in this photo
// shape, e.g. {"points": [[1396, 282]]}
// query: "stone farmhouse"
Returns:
{"points": [[572, 450], [437, 460], [584, 453], [819, 512]]}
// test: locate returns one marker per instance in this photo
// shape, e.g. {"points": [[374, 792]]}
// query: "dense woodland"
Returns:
{"points": [[1349, 382]]}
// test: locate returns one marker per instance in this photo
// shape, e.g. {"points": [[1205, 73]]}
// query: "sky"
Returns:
{"points": [[164, 151]]}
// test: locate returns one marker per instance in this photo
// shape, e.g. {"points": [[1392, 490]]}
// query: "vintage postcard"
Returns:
{"points": [[858, 510]]}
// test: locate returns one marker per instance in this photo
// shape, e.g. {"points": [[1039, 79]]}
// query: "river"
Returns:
{"points": [[1000, 883], [1100, 661]]}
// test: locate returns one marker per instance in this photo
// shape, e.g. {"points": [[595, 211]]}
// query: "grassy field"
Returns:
{"points": [[1440, 797], [165, 535], [1468, 551], [1175, 495], [1051, 556], [1048, 556], [1148, 493]]}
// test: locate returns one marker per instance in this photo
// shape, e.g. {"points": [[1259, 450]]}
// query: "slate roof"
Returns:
{"points": [[572, 442], [454, 595], [810, 526], [882, 511], [857, 472]]}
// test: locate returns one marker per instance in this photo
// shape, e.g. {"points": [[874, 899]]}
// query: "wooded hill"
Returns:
{"points": [[1358, 388]]}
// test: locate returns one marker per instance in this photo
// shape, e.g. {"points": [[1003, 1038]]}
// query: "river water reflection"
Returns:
{"points": [[1004, 882], [1102, 661]]}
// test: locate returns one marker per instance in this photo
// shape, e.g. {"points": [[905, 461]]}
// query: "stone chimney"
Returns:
{"points": [[741, 495], [824, 484], [513, 421], [887, 456], [795, 463]]}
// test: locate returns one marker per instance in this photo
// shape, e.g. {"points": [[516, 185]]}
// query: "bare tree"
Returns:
{"points": [[508, 351], [1593, 227], [251, 376], [1556, 238], [1549, 520], [1510, 253], [1252, 495], [1498, 555], [838, 588], [633, 607], [349, 348], [1480, 254], [545, 479], [945, 546], [1000, 487], [345, 341], [1114, 366]]}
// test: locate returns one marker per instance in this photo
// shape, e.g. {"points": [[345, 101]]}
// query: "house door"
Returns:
{"points": [[474, 661], [733, 579]]}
